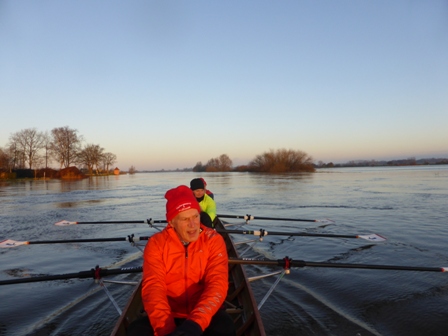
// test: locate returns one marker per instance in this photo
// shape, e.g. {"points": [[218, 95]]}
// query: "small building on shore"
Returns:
{"points": [[116, 171]]}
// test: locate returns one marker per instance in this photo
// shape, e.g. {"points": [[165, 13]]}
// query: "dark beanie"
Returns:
{"points": [[197, 183]]}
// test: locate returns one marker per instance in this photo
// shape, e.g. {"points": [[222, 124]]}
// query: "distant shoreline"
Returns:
{"points": [[351, 164], [389, 163], [317, 167]]}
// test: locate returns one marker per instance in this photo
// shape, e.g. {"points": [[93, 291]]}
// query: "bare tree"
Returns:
{"points": [[16, 156], [91, 157], [29, 142], [282, 161], [212, 165], [264, 162], [221, 163], [47, 149], [108, 160], [39, 162], [225, 164], [5, 160], [65, 145], [199, 167]]}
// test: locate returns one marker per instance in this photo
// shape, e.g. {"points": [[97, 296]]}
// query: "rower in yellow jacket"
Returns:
{"points": [[208, 205]]}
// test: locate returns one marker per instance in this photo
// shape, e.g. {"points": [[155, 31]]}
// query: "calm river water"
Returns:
{"points": [[407, 205]]}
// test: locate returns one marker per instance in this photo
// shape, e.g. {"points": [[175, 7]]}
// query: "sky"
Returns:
{"points": [[167, 84]]}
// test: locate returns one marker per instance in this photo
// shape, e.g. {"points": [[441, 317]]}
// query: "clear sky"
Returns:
{"points": [[165, 84]]}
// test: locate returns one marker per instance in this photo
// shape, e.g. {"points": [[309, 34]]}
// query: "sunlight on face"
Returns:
{"points": [[198, 193], [187, 225]]}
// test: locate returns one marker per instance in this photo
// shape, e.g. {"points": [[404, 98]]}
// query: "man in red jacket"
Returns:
{"points": [[185, 275]]}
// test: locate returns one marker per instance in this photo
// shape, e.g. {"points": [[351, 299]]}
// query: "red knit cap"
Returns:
{"points": [[180, 199]]}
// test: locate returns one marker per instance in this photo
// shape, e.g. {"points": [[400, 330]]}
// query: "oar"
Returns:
{"points": [[250, 217], [287, 263], [373, 237], [149, 221], [93, 273], [14, 243]]}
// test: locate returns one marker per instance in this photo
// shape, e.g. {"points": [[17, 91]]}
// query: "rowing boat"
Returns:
{"points": [[240, 302]]}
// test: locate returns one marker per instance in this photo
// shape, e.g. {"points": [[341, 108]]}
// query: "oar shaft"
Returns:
{"points": [[93, 240], [250, 217], [302, 263], [285, 219], [274, 233], [148, 221], [79, 275], [88, 240], [377, 267], [305, 234], [114, 222]]}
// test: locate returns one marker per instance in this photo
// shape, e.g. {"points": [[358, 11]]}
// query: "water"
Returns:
{"points": [[408, 205]]}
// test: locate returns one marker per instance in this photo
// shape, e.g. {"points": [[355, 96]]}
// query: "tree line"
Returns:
{"points": [[32, 149], [273, 161]]}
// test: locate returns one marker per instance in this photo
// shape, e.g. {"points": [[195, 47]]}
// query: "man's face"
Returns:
{"points": [[187, 224], [198, 193]]}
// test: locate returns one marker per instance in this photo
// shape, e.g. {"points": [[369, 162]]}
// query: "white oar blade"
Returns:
{"points": [[11, 243], [325, 221], [65, 223], [372, 237]]}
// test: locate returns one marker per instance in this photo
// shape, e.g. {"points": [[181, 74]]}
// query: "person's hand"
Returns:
{"points": [[187, 328]]}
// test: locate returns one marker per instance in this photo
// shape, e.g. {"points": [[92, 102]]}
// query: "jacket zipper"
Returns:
{"points": [[186, 277]]}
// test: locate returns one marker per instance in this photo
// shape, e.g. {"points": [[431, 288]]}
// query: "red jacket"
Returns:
{"points": [[184, 281]]}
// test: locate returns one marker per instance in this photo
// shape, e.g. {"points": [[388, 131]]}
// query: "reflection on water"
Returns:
{"points": [[78, 204], [92, 183], [262, 178]]}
